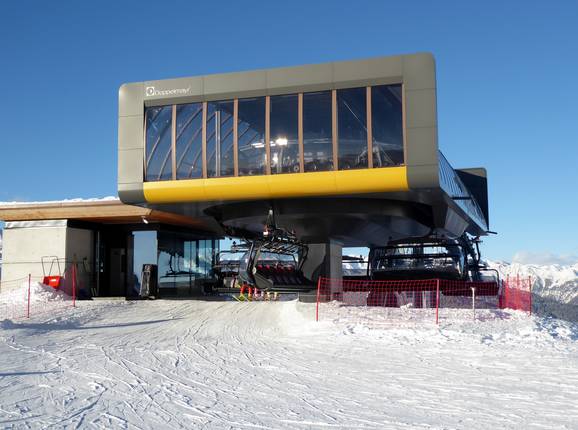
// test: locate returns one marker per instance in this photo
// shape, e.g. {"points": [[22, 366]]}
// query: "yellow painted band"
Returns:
{"points": [[386, 179]]}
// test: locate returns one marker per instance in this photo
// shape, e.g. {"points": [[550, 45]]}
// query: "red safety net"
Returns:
{"points": [[429, 300], [517, 294]]}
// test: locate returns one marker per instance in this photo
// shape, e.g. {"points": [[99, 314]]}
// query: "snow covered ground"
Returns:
{"points": [[222, 364]]}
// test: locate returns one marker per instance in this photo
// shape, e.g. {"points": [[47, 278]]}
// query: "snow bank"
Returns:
{"points": [[43, 299], [39, 293]]}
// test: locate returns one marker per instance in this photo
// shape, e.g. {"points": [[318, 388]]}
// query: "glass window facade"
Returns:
{"points": [[220, 155], [284, 120], [184, 262], [317, 131], [251, 140], [387, 125], [352, 128], [159, 143], [241, 125], [189, 139]]}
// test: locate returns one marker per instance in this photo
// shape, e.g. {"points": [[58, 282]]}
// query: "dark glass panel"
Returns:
{"points": [[352, 128], [387, 125], [220, 139], [189, 141], [184, 263], [317, 125], [284, 117], [251, 129], [168, 255], [158, 143], [144, 252], [207, 249]]}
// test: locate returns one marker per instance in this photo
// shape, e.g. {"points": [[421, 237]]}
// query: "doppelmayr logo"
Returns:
{"points": [[153, 92]]}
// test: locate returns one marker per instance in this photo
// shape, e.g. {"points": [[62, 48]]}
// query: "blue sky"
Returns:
{"points": [[507, 89]]}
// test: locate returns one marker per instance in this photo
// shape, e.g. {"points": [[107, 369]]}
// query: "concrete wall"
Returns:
{"points": [[26, 243], [80, 249]]}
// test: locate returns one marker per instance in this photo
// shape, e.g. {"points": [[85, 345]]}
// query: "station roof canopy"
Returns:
{"points": [[102, 211]]}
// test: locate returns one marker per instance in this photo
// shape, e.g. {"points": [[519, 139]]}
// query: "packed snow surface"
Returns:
{"points": [[224, 364]]}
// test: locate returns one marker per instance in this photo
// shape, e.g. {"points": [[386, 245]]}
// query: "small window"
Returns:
{"points": [[159, 143], [284, 118], [387, 125], [189, 142], [317, 131], [220, 160], [251, 136], [352, 128]]}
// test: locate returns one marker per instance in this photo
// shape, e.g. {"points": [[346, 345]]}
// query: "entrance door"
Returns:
{"points": [[117, 272]]}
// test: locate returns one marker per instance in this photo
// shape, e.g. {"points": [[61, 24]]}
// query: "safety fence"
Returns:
{"points": [[429, 300], [33, 296], [517, 294]]}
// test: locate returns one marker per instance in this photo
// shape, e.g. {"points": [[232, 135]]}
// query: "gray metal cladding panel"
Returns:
{"points": [[131, 193], [130, 99], [420, 108], [285, 80], [233, 83], [130, 166], [131, 132], [421, 146], [419, 71], [301, 78], [373, 68]]}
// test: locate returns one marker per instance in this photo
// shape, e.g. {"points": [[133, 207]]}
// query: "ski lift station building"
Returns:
{"points": [[344, 154]]}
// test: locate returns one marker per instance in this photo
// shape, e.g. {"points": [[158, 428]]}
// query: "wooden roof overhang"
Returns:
{"points": [[98, 211]]}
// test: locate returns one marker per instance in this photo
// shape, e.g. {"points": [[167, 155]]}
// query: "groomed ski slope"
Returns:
{"points": [[195, 364]]}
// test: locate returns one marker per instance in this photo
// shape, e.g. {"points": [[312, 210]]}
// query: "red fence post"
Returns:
{"points": [[518, 287], [28, 305], [474, 302], [530, 293], [506, 292], [437, 300], [74, 285], [318, 293]]}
